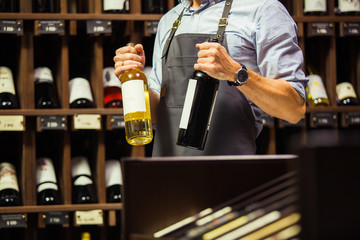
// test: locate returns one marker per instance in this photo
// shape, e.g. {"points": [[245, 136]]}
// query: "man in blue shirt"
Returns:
{"points": [[259, 56]]}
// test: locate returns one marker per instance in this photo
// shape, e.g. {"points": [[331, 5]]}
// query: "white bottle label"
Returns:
{"points": [[43, 74], [315, 6], [349, 5], [345, 90], [109, 78], [6, 81], [133, 93], [45, 175], [189, 98], [8, 179], [113, 175], [80, 166], [113, 4], [316, 87], [79, 88]]}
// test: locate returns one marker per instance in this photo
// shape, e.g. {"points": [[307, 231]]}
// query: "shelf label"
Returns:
{"points": [[352, 118], [17, 220], [322, 29], [51, 27], [87, 121], [98, 26], [351, 29], [52, 122], [11, 26], [117, 122], [326, 119], [12, 123], [92, 217], [151, 27], [55, 218]]}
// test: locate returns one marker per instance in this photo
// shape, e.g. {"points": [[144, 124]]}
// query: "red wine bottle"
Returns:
{"points": [[112, 89], [83, 190], [8, 98], [116, 6], [47, 188], [9, 187], [9, 5], [113, 181], [80, 93], [45, 93], [45, 6]]}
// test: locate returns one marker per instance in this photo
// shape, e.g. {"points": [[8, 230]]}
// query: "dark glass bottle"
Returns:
{"points": [[154, 6], [346, 94], [45, 93], [9, 5], [116, 6], [45, 6], [113, 181], [83, 189], [9, 187], [47, 188], [112, 89], [80, 93], [8, 98]]}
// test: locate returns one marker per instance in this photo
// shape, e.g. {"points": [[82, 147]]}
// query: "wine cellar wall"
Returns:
{"points": [[48, 47]]}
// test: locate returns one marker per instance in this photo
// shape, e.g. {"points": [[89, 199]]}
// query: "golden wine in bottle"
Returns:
{"points": [[136, 107], [316, 91]]}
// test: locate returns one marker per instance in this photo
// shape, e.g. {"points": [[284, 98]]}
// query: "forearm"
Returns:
{"points": [[276, 97], [154, 103]]}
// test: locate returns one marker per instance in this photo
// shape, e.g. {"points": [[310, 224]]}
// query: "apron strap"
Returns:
{"points": [[223, 21]]}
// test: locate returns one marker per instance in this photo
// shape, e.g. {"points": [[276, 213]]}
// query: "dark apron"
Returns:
{"points": [[232, 129]]}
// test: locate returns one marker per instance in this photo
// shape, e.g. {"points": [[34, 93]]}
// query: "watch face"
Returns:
{"points": [[242, 75]]}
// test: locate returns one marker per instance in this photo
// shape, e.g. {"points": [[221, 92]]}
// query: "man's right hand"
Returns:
{"points": [[128, 58]]}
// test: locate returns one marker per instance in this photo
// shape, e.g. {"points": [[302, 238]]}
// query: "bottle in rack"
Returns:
{"points": [[113, 181], [45, 6], [80, 93], [83, 189], [8, 98], [137, 115], [315, 7], [154, 6], [349, 7], [112, 89], [346, 94], [45, 93], [197, 110], [316, 91], [9, 5], [9, 187], [116, 6], [47, 188]]}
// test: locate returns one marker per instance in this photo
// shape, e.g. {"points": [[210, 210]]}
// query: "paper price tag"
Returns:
{"points": [[92, 217], [87, 121], [12, 123]]}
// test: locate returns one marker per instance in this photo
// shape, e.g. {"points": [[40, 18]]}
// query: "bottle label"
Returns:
{"points": [[345, 90], [83, 180], [113, 175], [133, 96], [6, 81], [45, 175], [316, 87], [79, 88], [113, 5], [80, 166], [8, 179], [109, 78], [315, 6], [43, 74], [189, 98], [349, 5]]}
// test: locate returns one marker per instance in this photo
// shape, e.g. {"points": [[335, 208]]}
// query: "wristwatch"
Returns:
{"points": [[242, 76]]}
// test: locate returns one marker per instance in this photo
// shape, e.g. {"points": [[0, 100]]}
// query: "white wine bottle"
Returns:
{"points": [[346, 94], [316, 91], [9, 187], [8, 98], [349, 7], [315, 7], [136, 102]]}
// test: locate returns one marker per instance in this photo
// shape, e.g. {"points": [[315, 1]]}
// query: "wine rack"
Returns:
{"points": [[83, 42]]}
